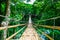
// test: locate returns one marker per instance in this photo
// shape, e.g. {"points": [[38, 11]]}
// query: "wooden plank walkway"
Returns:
{"points": [[30, 34]]}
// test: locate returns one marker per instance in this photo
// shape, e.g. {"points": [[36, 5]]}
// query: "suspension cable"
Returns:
{"points": [[50, 18], [11, 18], [15, 19]]}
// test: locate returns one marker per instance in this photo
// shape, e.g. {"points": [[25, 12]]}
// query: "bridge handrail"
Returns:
{"points": [[14, 26], [15, 34], [2, 16], [44, 34], [52, 27], [50, 19]]}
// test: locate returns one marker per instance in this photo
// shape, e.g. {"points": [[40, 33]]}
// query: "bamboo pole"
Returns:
{"points": [[44, 34], [49, 19], [6, 22], [14, 26], [15, 34], [52, 27]]}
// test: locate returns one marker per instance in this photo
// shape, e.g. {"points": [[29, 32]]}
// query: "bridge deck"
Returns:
{"points": [[30, 34]]}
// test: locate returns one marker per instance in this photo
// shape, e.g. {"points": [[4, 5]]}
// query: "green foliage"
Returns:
{"points": [[41, 9], [3, 7]]}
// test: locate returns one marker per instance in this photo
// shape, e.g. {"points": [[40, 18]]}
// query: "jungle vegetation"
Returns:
{"points": [[39, 10]]}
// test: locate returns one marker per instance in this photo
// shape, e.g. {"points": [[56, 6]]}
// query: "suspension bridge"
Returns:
{"points": [[30, 32]]}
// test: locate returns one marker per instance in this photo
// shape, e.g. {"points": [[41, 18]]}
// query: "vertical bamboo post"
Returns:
{"points": [[54, 27], [6, 22]]}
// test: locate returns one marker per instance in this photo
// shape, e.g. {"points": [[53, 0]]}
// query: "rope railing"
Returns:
{"points": [[39, 21], [15, 34], [2, 16], [15, 19], [44, 34], [14, 26], [52, 27], [50, 19], [11, 18]]}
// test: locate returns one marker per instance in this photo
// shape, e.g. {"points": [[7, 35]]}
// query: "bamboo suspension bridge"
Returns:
{"points": [[13, 29], [30, 32]]}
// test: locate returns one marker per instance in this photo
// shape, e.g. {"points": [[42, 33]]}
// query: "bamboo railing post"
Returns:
{"points": [[6, 22], [54, 27]]}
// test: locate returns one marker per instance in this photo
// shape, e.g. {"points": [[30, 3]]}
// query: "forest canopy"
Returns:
{"points": [[43, 12]]}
